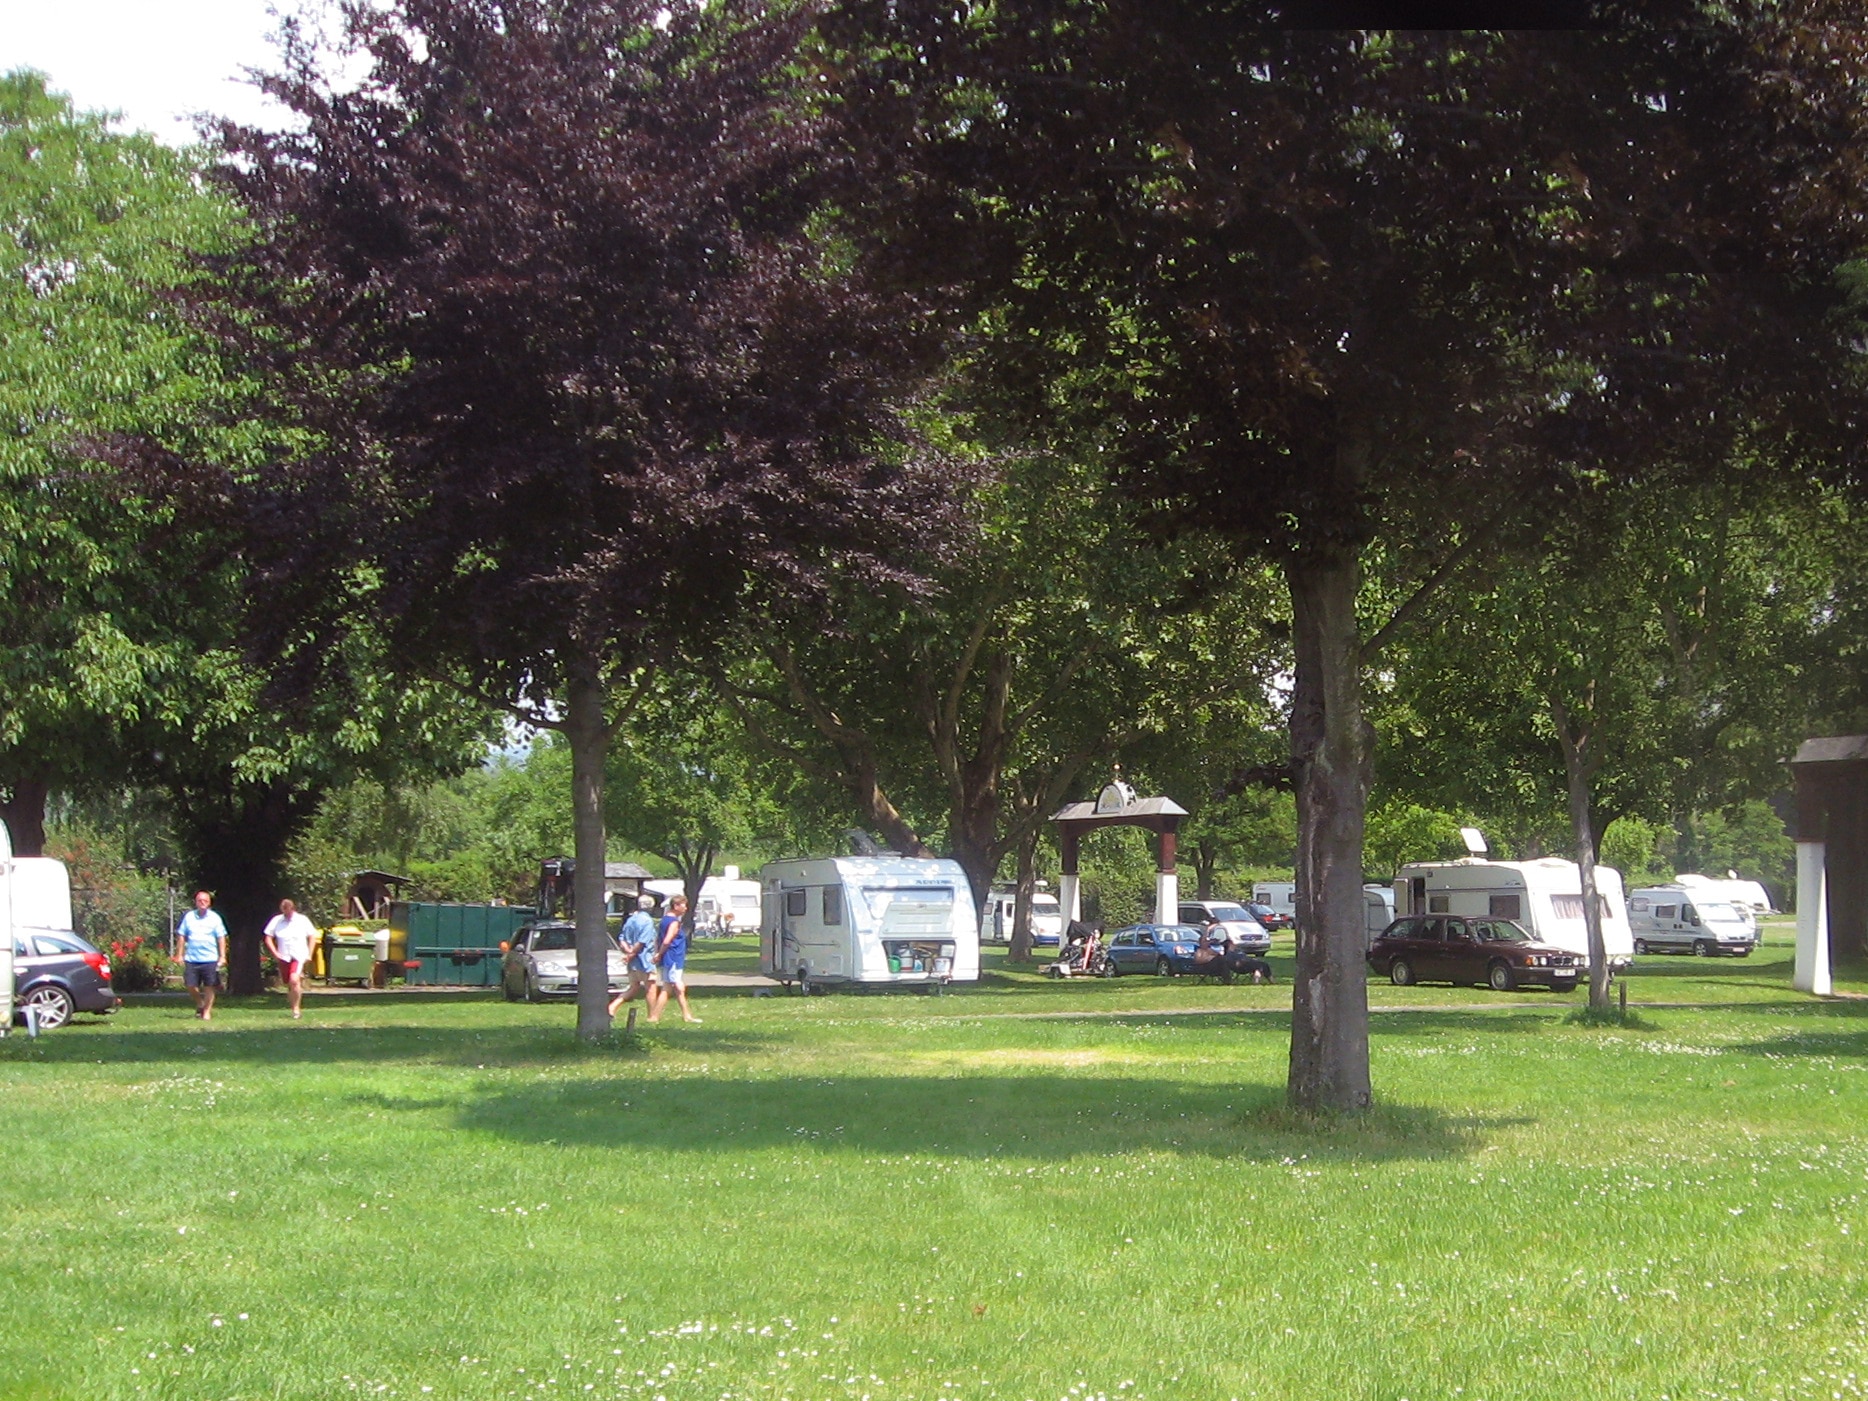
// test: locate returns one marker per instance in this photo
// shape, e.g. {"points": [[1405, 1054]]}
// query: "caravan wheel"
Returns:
{"points": [[804, 981], [1640, 945]]}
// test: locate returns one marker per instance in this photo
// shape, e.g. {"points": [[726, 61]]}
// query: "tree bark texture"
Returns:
{"points": [[588, 733], [1331, 750], [1579, 766]]}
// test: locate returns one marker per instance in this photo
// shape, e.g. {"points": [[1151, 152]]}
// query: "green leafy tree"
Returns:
{"points": [[104, 601]]}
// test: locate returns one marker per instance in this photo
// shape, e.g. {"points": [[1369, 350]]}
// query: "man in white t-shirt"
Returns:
{"points": [[288, 940]]}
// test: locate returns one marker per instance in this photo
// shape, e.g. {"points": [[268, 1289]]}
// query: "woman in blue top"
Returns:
{"points": [[671, 956]]}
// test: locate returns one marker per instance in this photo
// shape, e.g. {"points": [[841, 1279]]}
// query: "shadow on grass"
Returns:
{"points": [[1059, 1117]]}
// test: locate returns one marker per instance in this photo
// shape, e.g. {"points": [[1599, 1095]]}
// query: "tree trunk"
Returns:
{"points": [[235, 836], [588, 732], [1579, 773], [1331, 749], [1027, 877], [1205, 856], [23, 810]]}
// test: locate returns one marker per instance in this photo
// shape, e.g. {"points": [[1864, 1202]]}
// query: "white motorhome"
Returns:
{"points": [[1683, 919], [1545, 897], [1748, 896], [720, 896], [877, 920], [1047, 917]]}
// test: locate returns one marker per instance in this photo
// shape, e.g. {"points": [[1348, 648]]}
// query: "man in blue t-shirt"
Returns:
{"points": [[637, 938], [671, 956], [202, 940]]}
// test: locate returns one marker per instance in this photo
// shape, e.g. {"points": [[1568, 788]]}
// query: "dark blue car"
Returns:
{"points": [[1153, 948]]}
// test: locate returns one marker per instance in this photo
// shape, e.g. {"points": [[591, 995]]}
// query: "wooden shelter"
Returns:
{"points": [[371, 893], [1117, 806]]}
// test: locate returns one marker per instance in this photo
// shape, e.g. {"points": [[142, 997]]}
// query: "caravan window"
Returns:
{"points": [[1506, 906], [1665, 912], [833, 905], [794, 903], [1571, 907], [1638, 905], [1436, 904], [911, 910]]}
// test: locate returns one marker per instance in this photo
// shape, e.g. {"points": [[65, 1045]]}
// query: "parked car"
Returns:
{"points": [[1494, 952], [59, 974], [541, 962], [1166, 949], [1235, 923], [1269, 919]]}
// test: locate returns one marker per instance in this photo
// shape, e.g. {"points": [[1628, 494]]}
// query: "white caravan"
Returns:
{"points": [[1378, 903], [1545, 897], [35, 898], [1047, 917], [874, 920], [1281, 895], [720, 896], [1682, 919]]}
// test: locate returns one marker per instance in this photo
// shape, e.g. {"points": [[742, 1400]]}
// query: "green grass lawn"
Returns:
{"points": [[1029, 1190]]}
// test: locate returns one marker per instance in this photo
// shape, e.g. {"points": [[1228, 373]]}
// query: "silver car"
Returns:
{"points": [[541, 962]]}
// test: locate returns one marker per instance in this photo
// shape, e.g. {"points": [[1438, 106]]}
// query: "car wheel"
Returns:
{"points": [[1111, 968], [1499, 975], [804, 982], [52, 1006], [1640, 945], [1704, 948], [1401, 973], [1163, 968]]}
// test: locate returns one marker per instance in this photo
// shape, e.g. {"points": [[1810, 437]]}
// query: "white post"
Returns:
{"points": [[1069, 896], [1167, 897], [1812, 967]]}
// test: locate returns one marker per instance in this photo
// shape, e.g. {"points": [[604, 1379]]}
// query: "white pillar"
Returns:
{"points": [[1812, 966], [1167, 897], [1070, 896]]}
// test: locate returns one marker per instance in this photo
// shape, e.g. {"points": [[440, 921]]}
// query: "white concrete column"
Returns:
{"points": [[1812, 966], [1167, 897], [1070, 896]]}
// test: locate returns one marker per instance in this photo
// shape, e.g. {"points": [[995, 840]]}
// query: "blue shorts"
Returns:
{"points": [[201, 975], [673, 972]]}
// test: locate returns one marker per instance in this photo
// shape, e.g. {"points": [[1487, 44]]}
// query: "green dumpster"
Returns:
{"points": [[348, 959], [452, 945]]}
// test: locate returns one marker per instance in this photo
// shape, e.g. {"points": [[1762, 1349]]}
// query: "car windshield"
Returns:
{"points": [[1718, 913], [1230, 913], [544, 940], [1500, 931]]}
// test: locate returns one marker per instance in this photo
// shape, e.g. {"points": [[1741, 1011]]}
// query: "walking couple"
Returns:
{"points": [[657, 957]]}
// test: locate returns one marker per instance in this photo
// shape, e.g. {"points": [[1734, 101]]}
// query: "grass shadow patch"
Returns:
{"points": [[980, 1116], [1621, 1018]]}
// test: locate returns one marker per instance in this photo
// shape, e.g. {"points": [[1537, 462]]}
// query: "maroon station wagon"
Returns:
{"points": [[1493, 952]]}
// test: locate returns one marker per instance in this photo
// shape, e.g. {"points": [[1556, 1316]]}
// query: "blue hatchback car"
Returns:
{"points": [[1153, 948]]}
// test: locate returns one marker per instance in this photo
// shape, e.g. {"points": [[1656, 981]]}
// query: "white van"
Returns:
{"points": [[1748, 897], [889, 920], [1545, 897], [1679, 919], [720, 896], [1047, 917], [35, 898]]}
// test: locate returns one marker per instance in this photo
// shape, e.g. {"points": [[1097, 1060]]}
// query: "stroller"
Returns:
{"points": [[1081, 955]]}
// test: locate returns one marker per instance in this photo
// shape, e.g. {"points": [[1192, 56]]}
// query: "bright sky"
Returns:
{"points": [[155, 61]]}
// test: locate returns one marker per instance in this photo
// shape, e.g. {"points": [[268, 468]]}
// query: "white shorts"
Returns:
{"points": [[672, 977]]}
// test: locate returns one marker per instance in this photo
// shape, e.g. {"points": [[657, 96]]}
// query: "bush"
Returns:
{"points": [[137, 965]]}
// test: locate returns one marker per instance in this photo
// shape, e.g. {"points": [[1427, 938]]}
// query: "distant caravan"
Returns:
{"points": [[878, 921], [1545, 897]]}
